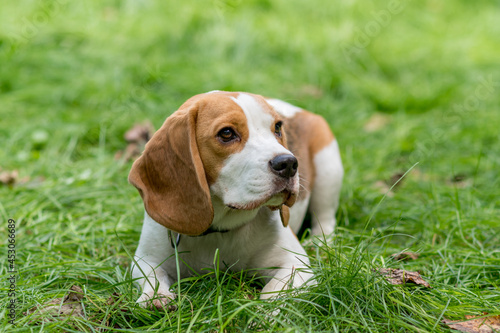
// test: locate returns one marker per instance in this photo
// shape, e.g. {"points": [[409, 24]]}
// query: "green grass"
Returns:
{"points": [[74, 76]]}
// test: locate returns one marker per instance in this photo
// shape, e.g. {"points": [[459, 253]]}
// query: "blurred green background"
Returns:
{"points": [[403, 83], [75, 70], [399, 81]]}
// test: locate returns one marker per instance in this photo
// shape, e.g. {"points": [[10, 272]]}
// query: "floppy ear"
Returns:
{"points": [[285, 215], [171, 179]]}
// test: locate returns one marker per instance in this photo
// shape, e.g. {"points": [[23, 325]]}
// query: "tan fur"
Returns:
{"points": [[218, 114], [307, 135], [170, 176]]}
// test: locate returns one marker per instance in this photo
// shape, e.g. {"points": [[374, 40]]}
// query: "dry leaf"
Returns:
{"points": [[460, 181], [396, 180], [140, 132], [132, 152], [250, 296], [137, 137], [9, 178], [404, 256], [458, 178], [68, 306], [113, 298], [475, 324], [399, 276], [388, 186], [376, 122], [383, 188]]}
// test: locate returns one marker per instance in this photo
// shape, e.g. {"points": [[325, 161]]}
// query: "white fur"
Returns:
{"points": [[245, 177], [323, 201], [285, 109], [257, 245], [297, 213], [256, 240], [326, 190]]}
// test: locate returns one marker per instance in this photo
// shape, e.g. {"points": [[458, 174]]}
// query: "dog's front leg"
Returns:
{"points": [[154, 283], [148, 269], [285, 278], [293, 264]]}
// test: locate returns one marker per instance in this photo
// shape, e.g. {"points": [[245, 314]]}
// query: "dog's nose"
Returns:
{"points": [[284, 165]]}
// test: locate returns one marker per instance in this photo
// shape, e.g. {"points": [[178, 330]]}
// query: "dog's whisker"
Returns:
{"points": [[303, 180], [305, 189]]}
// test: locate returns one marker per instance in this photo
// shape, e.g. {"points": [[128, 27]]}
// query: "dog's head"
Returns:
{"points": [[223, 146]]}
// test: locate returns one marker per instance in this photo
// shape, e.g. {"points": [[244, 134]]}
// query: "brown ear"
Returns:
{"points": [[285, 215], [171, 179]]}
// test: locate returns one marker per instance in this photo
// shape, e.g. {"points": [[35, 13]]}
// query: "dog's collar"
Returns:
{"points": [[210, 230]]}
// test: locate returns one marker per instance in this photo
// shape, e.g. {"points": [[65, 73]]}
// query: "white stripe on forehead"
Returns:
{"points": [[283, 108], [259, 121]]}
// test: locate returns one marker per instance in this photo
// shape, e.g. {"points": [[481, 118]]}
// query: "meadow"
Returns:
{"points": [[411, 90]]}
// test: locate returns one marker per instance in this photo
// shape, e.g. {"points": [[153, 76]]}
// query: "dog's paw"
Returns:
{"points": [[159, 300]]}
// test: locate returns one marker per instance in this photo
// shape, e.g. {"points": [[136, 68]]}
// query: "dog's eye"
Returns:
{"points": [[227, 134], [277, 128]]}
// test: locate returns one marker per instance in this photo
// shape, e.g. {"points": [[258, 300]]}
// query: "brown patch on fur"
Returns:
{"points": [[307, 134], [217, 114], [170, 176]]}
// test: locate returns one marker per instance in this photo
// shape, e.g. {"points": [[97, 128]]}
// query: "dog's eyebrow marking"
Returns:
{"points": [[258, 120]]}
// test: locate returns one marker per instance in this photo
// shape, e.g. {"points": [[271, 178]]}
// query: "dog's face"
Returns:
{"points": [[231, 146], [239, 137]]}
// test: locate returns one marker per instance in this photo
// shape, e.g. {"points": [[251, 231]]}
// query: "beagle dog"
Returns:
{"points": [[233, 172]]}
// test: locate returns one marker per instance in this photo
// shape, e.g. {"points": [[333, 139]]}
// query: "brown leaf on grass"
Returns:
{"points": [[115, 297], [405, 256], [383, 188], [399, 276], [396, 180], [458, 178], [460, 181], [475, 324], [137, 137], [131, 152], [115, 301], [376, 122], [68, 306], [9, 178], [388, 186], [140, 132]]}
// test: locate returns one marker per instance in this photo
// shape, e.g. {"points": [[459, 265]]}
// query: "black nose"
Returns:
{"points": [[284, 165]]}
